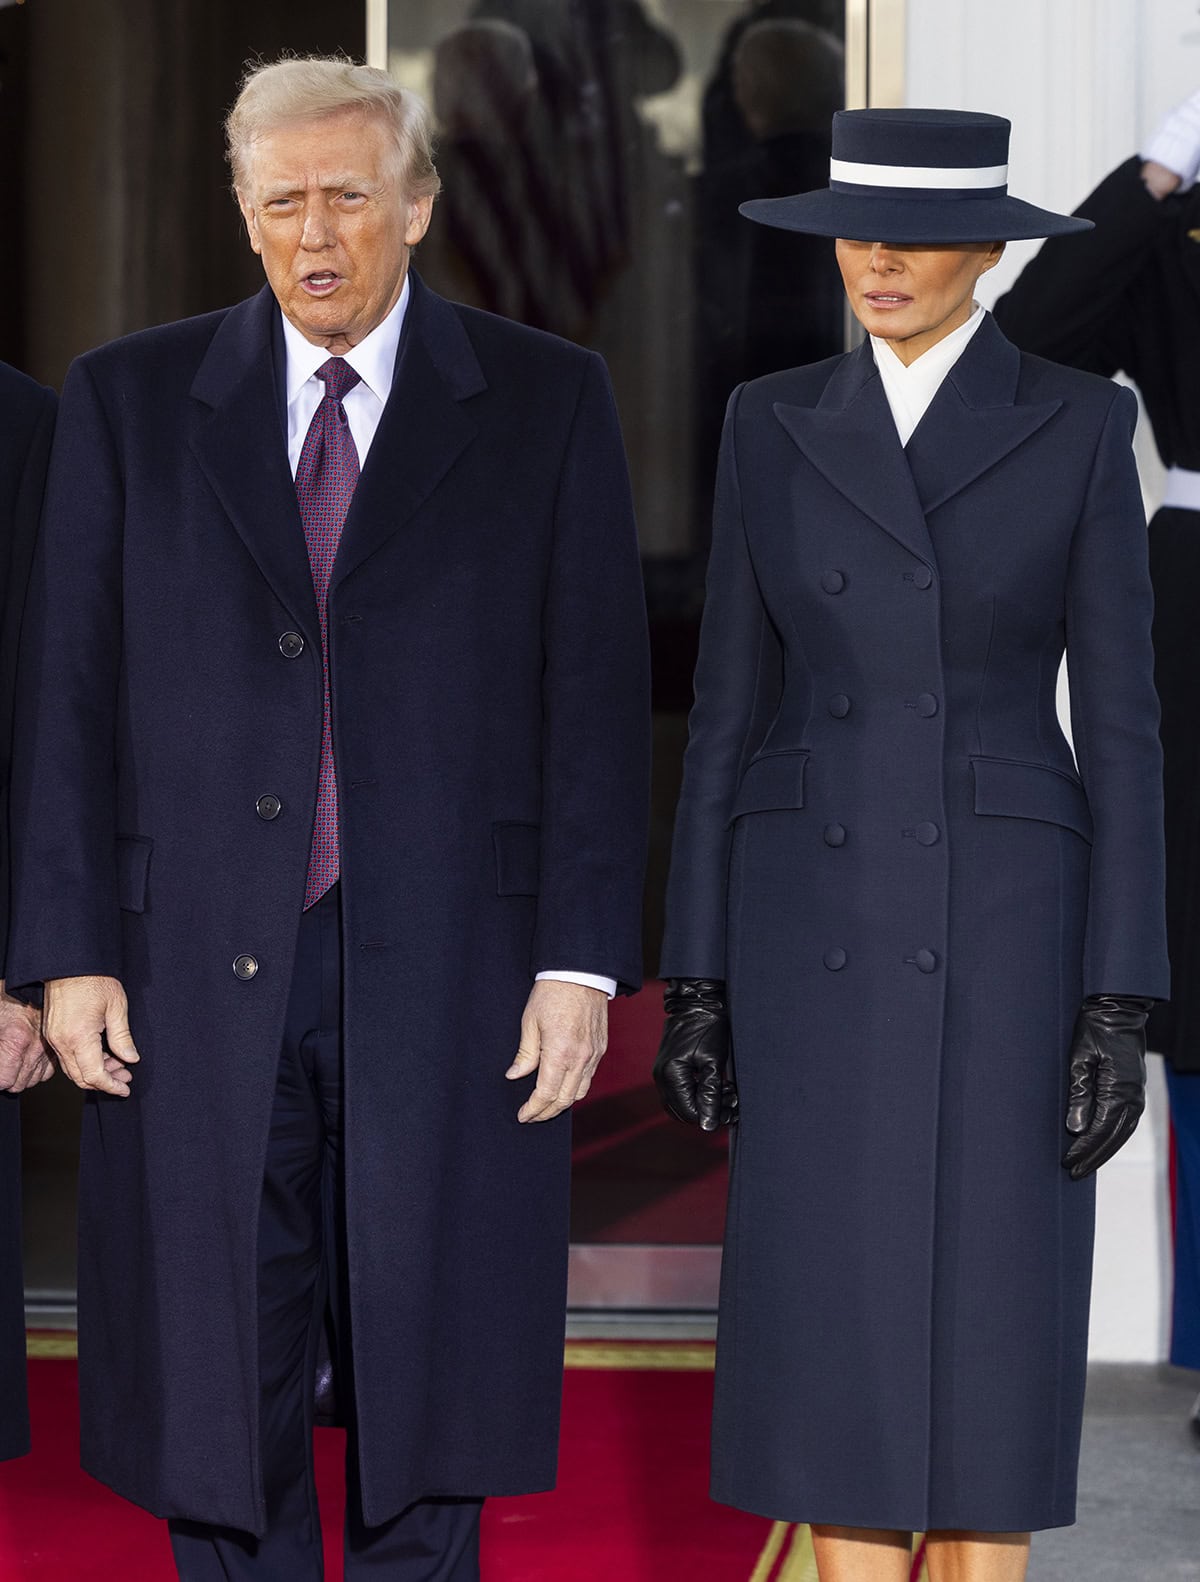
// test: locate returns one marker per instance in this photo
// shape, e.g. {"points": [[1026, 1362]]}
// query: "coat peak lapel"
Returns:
{"points": [[423, 429], [974, 420], [242, 449], [850, 438]]}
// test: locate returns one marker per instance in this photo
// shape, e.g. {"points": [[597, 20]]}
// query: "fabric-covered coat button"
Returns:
{"points": [[927, 834], [839, 705], [835, 959], [244, 966], [835, 834], [268, 807], [833, 581], [923, 578], [926, 961], [927, 705], [291, 645]]}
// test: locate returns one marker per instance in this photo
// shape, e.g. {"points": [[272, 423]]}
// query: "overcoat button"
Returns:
{"points": [[835, 835], [923, 577], [835, 960], [927, 834], [291, 645], [839, 705], [268, 807], [926, 961], [244, 966], [833, 581], [927, 705]]}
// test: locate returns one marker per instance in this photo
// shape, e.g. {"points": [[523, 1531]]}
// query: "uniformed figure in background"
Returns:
{"points": [[1127, 299], [26, 424], [925, 941], [331, 816]]}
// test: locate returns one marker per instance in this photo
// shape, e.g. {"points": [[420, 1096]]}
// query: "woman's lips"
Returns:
{"points": [[321, 283], [888, 301]]}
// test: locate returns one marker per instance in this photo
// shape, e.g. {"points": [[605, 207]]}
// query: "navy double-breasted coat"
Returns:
{"points": [[490, 728], [885, 846], [26, 423]]}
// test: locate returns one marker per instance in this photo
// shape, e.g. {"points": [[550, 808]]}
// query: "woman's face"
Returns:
{"points": [[912, 296]]}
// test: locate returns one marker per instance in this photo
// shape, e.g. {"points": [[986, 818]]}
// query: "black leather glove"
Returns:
{"points": [[693, 1057], [1108, 1079]]}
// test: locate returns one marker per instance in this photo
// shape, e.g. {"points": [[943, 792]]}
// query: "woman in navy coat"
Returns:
{"points": [[927, 940]]}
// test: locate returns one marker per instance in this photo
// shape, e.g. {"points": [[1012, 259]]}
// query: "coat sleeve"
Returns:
{"points": [[65, 915], [20, 519], [1077, 300], [596, 709], [1114, 720], [739, 679]]}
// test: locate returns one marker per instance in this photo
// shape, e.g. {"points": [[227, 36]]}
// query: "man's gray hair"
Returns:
{"points": [[304, 88]]}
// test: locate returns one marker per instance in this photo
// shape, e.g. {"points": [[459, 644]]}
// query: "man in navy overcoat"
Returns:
{"points": [[306, 903], [26, 424]]}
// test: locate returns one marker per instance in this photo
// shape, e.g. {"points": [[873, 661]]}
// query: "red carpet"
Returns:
{"points": [[630, 1505]]}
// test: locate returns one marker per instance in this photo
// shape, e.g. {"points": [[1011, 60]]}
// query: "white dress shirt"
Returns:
{"points": [[910, 390], [374, 361]]}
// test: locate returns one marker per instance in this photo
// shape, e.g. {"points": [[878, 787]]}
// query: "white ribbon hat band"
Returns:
{"points": [[930, 177]]}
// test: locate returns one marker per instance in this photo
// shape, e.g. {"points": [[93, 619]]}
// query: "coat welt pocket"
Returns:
{"points": [[518, 857], [133, 866], [774, 781], [1009, 788]]}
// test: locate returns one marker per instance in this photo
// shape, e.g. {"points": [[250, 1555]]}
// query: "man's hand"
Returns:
{"points": [[86, 1023], [24, 1060], [1159, 181], [564, 1033]]}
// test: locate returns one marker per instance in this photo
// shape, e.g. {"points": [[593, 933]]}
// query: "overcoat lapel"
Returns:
{"points": [[974, 420], [422, 432], [850, 438], [240, 443]]}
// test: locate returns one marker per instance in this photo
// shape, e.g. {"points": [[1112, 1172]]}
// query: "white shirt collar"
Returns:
{"points": [[910, 389], [373, 359]]}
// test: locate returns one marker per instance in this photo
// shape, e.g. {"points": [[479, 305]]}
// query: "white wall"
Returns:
{"points": [[1083, 82]]}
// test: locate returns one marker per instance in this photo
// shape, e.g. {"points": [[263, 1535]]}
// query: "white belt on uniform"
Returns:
{"points": [[1183, 489]]}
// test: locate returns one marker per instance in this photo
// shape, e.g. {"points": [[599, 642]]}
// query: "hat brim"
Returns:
{"points": [[910, 220]]}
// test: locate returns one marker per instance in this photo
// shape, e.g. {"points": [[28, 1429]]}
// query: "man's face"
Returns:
{"points": [[326, 212]]}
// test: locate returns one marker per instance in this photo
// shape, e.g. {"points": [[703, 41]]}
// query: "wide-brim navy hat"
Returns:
{"points": [[912, 176]]}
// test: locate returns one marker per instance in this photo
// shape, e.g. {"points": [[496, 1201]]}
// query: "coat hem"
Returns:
{"points": [[913, 1520]]}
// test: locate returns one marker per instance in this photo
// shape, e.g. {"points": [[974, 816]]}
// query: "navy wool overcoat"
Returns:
{"points": [[490, 728], [26, 424], [883, 843]]}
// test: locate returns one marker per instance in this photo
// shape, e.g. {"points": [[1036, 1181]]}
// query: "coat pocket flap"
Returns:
{"points": [[1006, 788], [774, 781], [133, 866], [518, 857]]}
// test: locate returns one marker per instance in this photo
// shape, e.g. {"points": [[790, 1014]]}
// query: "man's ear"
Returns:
{"points": [[420, 212], [251, 221], [994, 257]]}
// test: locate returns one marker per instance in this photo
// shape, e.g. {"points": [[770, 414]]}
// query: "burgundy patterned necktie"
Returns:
{"points": [[325, 480]]}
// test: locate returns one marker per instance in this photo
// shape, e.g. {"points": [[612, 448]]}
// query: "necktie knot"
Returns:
{"points": [[338, 377]]}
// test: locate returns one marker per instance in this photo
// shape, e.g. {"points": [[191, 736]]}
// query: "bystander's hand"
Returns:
{"points": [[1172, 156], [1159, 181], [24, 1058], [86, 1023], [564, 1033]]}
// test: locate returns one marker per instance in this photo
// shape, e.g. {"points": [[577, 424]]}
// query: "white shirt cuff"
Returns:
{"points": [[587, 979], [1176, 143]]}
